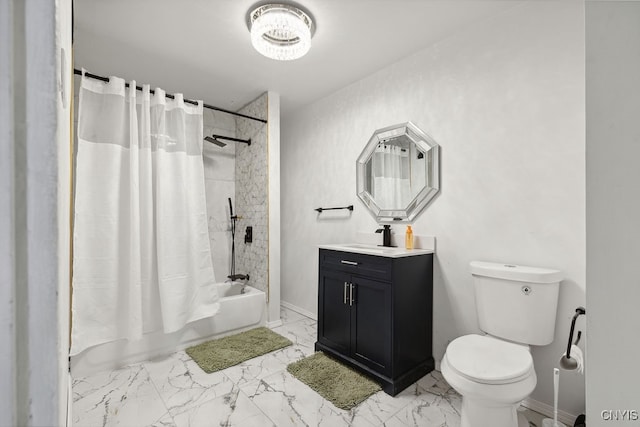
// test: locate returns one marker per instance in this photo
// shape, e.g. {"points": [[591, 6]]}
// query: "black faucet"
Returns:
{"points": [[386, 235]]}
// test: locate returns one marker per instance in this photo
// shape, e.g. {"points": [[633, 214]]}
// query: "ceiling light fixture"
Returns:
{"points": [[280, 31]]}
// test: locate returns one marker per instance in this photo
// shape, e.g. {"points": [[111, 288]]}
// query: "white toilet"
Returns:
{"points": [[494, 372]]}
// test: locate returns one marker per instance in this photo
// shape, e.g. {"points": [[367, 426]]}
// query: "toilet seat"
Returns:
{"points": [[488, 360]]}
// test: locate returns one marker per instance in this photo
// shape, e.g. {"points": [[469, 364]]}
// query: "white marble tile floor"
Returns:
{"points": [[174, 391]]}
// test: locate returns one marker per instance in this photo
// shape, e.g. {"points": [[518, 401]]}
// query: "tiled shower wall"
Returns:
{"points": [[252, 195], [219, 175]]}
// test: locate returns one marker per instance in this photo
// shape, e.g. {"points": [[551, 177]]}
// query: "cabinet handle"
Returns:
{"points": [[349, 262], [345, 292], [351, 294]]}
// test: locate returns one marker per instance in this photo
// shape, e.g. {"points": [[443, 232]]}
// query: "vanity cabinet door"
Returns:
{"points": [[371, 324], [375, 314], [334, 312]]}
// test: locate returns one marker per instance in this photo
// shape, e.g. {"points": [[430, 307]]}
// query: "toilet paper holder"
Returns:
{"points": [[579, 311]]}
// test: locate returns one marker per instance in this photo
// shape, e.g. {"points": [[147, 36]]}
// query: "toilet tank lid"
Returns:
{"points": [[518, 273]]}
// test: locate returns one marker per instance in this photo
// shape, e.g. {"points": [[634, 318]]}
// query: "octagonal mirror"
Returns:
{"points": [[398, 173]]}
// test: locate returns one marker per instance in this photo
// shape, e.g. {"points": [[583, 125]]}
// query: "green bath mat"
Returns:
{"points": [[219, 354], [332, 380]]}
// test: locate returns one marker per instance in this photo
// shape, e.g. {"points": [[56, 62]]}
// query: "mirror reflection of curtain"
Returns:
{"points": [[391, 177]]}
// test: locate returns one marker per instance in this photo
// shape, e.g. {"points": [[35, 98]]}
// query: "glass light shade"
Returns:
{"points": [[281, 31]]}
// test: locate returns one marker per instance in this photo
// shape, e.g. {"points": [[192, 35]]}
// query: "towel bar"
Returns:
{"points": [[350, 207]]}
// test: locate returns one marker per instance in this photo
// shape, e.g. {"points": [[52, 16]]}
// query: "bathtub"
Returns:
{"points": [[238, 312]]}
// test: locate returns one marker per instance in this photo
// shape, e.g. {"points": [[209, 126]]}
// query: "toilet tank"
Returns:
{"points": [[515, 302]]}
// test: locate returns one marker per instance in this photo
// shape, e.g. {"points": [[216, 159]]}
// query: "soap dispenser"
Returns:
{"points": [[408, 240]]}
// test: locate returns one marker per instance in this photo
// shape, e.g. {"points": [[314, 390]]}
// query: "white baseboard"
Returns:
{"points": [[542, 408], [298, 310], [547, 410], [274, 324]]}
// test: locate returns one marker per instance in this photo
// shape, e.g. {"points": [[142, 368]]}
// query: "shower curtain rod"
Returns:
{"points": [[189, 101]]}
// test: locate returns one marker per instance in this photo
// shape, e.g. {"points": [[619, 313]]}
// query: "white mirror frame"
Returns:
{"points": [[424, 143]]}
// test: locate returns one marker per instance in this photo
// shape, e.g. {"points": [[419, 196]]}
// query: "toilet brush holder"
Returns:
{"points": [[548, 422]]}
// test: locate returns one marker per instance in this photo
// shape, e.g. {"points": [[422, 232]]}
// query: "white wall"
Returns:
{"points": [[505, 100], [29, 215], [613, 209], [64, 152]]}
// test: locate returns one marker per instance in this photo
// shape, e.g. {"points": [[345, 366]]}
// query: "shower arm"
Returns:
{"points": [[229, 138]]}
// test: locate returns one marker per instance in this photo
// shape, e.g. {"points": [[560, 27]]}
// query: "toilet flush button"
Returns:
{"points": [[526, 290]]}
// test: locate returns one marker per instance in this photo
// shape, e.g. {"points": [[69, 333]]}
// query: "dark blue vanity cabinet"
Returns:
{"points": [[375, 314]]}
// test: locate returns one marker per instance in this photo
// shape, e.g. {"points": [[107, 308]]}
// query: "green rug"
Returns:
{"points": [[334, 381], [219, 354]]}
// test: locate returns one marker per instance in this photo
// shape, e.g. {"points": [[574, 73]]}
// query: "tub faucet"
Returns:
{"points": [[240, 279], [386, 234]]}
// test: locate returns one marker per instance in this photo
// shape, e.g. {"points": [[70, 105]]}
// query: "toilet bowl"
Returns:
{"points": [[492, 376], [493, 373]]}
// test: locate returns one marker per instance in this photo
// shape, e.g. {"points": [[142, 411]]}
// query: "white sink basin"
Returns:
{"points": [[376, 250], [370, 248]]}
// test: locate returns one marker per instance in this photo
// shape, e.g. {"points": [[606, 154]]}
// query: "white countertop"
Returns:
{"points": [[390, 252]]}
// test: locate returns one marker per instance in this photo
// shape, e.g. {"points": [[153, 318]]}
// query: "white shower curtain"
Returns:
{"points": [[142, 258], [391, 177]]}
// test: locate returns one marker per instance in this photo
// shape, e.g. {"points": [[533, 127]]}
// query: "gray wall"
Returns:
{"points": [[7, 286], [613, 209], [32, 322], [505, 100]]}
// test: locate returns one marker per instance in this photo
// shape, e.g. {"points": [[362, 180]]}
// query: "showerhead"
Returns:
{"points": [[215, 141]]}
